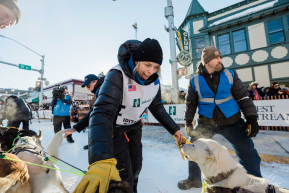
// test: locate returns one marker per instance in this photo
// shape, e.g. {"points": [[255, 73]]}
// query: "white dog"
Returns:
{"points": [[221, 172], [41, 177]]}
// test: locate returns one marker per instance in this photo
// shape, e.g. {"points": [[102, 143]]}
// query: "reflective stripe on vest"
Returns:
{"points": [[212, 100], [223, 98]]}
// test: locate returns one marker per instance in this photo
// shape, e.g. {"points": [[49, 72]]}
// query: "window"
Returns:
{"points": [[200, 45], [224, 44], [276, 34], [239, 41]]}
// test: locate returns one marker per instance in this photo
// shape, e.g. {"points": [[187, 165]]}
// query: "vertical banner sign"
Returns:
{"points": [[179, 41], [185, 40]]}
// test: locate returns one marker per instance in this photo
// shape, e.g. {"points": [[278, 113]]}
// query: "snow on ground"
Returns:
{"points": [[162, 168]]}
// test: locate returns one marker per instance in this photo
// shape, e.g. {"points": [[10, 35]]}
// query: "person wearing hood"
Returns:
{"points": [[255, 92], [115, 148], [9, 13], [275, 90], [219, 95], [93, 84]]}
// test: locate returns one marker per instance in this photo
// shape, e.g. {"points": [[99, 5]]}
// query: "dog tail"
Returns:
{"points": [[54, 143]]}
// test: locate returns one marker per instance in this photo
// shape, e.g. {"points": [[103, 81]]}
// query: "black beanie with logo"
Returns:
{"points": [[149, 50], [13, 6]]}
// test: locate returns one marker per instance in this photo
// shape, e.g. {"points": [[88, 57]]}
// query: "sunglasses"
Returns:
{"points": [[276, 85]]}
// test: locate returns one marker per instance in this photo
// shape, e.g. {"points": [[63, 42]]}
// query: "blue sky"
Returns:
{"points": [[80, 37]]}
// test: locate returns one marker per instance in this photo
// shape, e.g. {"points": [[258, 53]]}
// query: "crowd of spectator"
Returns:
{"points": [[256, 92]]}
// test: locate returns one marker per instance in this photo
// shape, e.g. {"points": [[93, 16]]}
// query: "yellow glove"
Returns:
{"points": [[98, 176], [184, 141]]}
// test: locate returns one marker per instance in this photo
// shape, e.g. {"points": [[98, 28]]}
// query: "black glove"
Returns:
{"points": [[252, 126], [189, 130]]}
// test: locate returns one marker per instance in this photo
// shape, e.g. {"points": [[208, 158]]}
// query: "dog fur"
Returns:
{"points": [[14, 177], [41, 177], [214, 159]]}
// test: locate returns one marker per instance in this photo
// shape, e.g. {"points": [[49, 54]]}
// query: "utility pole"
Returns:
{"points": [[26, 67], [41, 89], [169, 14]]}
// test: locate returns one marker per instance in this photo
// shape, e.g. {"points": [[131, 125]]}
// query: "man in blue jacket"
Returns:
{"points": [[61, 112]]}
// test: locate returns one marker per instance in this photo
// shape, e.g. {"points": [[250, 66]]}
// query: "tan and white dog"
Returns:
{"points": [[41, 177], [221, 172], [14, 177]]}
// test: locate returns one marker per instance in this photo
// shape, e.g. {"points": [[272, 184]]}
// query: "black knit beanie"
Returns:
{"points": [[273, 84], [149, 50], [13, 6]]}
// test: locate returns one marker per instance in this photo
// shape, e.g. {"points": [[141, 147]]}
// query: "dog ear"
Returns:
{"points": [[210, 156]]}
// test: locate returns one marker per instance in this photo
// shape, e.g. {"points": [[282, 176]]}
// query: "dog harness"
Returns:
{"points": [[208, 100], [219, 177], [223, 176], [31, 150]]}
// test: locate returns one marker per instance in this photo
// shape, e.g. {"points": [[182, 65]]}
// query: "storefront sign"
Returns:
{"points": [[80, 97]]}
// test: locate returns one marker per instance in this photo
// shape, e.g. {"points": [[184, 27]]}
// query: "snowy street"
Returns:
{"points": [[163, 166]]}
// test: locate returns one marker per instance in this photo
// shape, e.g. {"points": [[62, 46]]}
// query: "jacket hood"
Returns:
{"points": [[202, 70], [252, 84], [124, 53]]}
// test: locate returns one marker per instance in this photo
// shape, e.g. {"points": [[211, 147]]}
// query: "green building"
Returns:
{"points": [[251, 34]]}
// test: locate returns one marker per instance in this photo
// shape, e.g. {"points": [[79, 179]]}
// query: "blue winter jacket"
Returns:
{"points": [[62, 106]]}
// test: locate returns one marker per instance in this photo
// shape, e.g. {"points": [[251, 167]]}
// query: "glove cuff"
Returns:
{"points": [[111, 161], [251, 118]]}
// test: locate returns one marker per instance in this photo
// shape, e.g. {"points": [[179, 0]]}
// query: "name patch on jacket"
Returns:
{"points": [[131, 88]]}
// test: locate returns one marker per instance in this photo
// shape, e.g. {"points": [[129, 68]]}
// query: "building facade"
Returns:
{"points": [[252, 35], [74, 88]]}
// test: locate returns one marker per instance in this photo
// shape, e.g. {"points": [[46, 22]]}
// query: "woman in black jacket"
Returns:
{"points": [[115, 148], [275, 90]]}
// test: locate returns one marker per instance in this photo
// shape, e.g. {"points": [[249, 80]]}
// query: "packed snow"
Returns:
{"points": [[162, 167]]}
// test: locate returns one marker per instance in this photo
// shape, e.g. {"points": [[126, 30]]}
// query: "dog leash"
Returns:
{"points": [[47, 158], [13, 146], [3, 156]]}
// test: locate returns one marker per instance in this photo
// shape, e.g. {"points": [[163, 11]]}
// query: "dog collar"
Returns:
{"points": [[219, 177]]}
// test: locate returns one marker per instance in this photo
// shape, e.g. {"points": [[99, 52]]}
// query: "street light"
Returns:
{"points": [[135, 27], [40, 71]]}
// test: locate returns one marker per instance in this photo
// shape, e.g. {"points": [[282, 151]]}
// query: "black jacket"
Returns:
{"points": [[274, 92], [69, 101], [84, 122], [15, 109], [108, 104], [260, 92], [239, 91]]}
